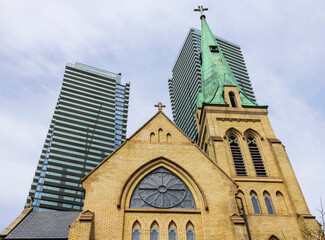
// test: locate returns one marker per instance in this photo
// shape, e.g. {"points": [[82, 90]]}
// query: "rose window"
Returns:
{"points": [[162, 189]]}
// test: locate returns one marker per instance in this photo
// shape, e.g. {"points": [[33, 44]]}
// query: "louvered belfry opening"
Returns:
{"points": [[256, 157], [237, 156]]}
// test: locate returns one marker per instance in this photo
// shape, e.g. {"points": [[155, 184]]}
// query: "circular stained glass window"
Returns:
{"points": [[162, 189]]}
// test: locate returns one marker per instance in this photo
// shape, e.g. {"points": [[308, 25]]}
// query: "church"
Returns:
{"points": [[234, 182]]}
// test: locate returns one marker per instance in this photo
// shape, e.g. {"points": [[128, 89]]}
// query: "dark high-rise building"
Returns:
{"points": [[186, 79], [89, 122]]}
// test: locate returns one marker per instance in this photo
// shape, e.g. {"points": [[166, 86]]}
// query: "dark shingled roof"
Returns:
{"points": [[44, 225]]}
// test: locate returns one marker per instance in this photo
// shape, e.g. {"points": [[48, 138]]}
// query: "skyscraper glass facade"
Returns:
{"points": [[186, 78], [89, 122]]}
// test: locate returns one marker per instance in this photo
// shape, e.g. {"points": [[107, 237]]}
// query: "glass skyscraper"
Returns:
{"points": [[186, 78], [89, 122]]}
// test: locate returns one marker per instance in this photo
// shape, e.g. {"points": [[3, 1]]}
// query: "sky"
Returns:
{"points": [[282, 43]]}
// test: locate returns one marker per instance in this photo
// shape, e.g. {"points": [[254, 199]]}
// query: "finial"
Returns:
{"points": [[201, 9], [160, 106]]}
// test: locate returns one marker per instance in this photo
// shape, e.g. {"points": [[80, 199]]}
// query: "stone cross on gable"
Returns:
{"points": [[201, 9], [160, 106]]}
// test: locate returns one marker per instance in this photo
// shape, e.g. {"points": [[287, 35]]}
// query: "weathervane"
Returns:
{"points": [[160, 106], [201, 9]]}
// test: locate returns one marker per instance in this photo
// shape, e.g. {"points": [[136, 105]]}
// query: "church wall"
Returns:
{"points": [[115, 179]]}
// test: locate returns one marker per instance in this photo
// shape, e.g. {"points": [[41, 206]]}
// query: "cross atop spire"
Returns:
{"points": [[201, 9], [160, 106]]}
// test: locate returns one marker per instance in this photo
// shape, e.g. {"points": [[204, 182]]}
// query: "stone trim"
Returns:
{"points": [[238, 119], [236, 219], [158, 210], [216, 138], [274, 140], [257, 179], [306, 216], [86, 216]]}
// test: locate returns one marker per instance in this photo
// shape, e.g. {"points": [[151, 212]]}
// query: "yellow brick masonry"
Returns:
{"points": [[212, 189], [292, 216], [210, 176]]}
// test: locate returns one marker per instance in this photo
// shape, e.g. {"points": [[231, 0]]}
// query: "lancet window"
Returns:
{"points": [[255, 203], [190, 234], [136, 231], [268, 203], [256, 157], [237, 156], [162, 189], [154, 231], [281, 201], [232, 99], [172, 231]]}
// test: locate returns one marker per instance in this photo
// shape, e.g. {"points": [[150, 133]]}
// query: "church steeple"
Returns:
{"points": [[215, 70]]}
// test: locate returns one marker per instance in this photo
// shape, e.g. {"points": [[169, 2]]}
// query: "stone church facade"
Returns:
{"points": [[118, 204]]}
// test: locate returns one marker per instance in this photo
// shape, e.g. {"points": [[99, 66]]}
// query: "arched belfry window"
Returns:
{"points": [[256, 157], [237, 156], [232, 99], [162, 189], [190, 234], [136, 231]]}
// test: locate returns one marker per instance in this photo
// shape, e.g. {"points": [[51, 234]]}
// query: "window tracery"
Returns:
{"points": [[162, 189]]}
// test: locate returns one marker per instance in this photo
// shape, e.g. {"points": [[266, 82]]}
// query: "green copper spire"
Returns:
{"points": [[215, 70]]}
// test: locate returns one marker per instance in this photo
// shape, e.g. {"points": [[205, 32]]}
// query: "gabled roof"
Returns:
{"points": [[44, 225], [142, 127], [128, 139]]}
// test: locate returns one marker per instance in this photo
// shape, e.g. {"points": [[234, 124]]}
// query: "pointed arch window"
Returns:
{"points": [[232, 99], [162, 189], [190, 234], [172, 231], [255, 203], [242, 205], [268, 203], [154, 231], [237, 156], [281, 201], [136, 231], [256, 157]]}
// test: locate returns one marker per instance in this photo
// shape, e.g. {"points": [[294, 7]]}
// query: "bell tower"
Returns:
{"points": [[236, 134]]}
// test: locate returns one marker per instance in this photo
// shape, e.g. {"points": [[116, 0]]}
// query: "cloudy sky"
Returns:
{"points": [[282, 42]]}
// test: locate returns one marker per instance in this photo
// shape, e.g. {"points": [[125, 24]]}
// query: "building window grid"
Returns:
{"points": [[88, 82], [45, 155], [39, 186]]}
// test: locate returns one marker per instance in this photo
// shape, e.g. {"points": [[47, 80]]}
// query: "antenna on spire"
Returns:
{"points": [[201, 9]]}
